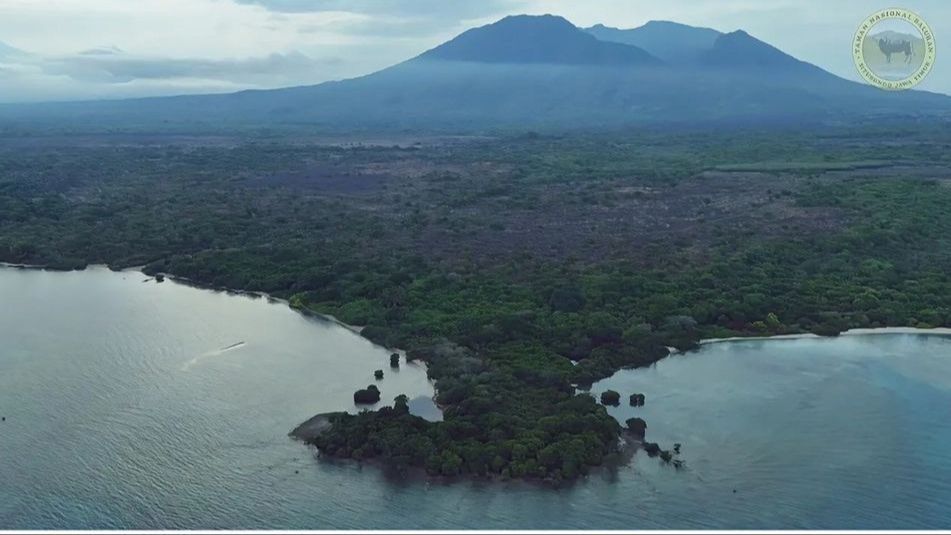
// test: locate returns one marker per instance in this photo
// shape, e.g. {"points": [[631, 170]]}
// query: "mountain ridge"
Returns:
{"points": [[541, 72], [670, 41], [535, 39]]}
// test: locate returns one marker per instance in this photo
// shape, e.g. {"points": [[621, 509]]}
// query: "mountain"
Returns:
{"points": [[537, 72], [704, 47], [669, 41], [545, 39]]}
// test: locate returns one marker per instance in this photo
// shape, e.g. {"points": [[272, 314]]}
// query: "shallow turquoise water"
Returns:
{"points": [[122, 411]]}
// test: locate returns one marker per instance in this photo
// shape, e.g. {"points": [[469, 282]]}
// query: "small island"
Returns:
{"points": [[610, 397], [637, 427], [367, 396]]}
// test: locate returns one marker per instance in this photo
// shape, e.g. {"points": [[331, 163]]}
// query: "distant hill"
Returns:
{"points": [[669, 41], [540, 72]]}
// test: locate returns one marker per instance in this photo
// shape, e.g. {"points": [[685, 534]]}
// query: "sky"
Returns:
{"points": [[96, 49]]}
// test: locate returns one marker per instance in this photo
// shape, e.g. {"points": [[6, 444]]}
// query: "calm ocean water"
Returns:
{"points": [[125, 408]]}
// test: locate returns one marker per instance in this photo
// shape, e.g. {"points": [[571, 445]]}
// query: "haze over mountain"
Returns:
{"points": [[542, 71], [669, 41], [741, 51]]}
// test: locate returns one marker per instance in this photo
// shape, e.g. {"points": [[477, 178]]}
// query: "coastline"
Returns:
{"points": [[55, 269], [356, 329], [861, 331], [318, 423], [185, 281], [23, 266]]}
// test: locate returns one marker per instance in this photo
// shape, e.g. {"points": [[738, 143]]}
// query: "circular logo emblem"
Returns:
{"points": [[894, 49]]}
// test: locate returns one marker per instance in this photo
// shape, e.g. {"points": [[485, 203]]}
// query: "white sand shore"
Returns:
{"points": [[938, 331]]}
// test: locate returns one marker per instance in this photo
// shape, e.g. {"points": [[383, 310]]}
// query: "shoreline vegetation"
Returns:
{"points": [[516, 268]]}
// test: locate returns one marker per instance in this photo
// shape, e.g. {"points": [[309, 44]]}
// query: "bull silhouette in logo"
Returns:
{"points": [[896, 47]]}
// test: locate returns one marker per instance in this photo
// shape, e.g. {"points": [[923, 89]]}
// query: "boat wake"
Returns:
{"points": [[217, 352]]}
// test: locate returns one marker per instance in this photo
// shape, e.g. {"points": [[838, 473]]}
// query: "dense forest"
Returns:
{"points": [[518, 267]]}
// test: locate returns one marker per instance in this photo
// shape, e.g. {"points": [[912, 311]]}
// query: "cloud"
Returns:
{"points": [[436, 9], [417, 18], [110, 48], [109, 72], [118, 68], [102, 51], [113, 48]]}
